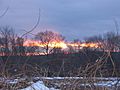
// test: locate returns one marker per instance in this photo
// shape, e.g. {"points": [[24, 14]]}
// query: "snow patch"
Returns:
{"points": [[38, 86]]}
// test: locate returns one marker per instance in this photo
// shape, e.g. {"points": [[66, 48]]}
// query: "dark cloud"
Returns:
{"points": [[72, 18]]}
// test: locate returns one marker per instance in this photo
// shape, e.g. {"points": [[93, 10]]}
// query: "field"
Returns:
{"points": [[63, 83], [90, 70]]}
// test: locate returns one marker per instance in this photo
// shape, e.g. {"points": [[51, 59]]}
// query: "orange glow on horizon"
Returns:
{"points": [[59, 44]]}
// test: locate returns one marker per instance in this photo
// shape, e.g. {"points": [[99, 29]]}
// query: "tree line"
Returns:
{"points": [[12, 44]]}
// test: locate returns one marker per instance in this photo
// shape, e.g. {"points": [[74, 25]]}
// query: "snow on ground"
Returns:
{"points": [[104, 84], [38, 86], [58, 78], [14, 81], [108, 83]]}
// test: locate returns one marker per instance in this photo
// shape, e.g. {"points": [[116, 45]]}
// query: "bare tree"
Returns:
{"points": [[5, 33], [8, 41], [13, 44], [20, 46], [96, 39], [46, 38], [111, 41]]}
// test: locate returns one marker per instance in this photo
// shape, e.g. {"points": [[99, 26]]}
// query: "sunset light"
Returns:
{"points": [[59, 44]]}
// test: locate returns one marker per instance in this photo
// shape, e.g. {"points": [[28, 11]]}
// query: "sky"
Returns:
{"points": [[74, 19]]}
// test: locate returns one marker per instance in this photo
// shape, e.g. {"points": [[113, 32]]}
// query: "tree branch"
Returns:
{"points": [[4, 12], [33, 27]]}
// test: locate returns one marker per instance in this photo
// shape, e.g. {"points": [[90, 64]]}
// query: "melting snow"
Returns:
{"points": [[38, 86]]}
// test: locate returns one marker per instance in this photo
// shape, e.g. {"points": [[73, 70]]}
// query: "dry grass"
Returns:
{"points": [[88, 73]]}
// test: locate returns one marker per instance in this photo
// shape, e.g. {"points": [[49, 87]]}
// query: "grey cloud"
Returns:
{"points": [[72, 18]]}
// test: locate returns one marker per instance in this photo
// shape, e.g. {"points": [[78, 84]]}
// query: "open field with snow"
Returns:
{"points": [[61, 83], [77, 71]]}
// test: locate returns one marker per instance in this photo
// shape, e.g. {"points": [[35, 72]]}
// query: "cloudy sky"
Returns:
{"points": [[72, 18]]}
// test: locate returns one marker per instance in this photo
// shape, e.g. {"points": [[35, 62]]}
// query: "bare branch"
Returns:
{"points": [[33, 27], [116, 26], [4, 12], [29, 33]]}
